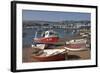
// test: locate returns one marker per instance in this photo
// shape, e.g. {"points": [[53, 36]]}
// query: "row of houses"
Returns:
{"points": [[62, 26]]}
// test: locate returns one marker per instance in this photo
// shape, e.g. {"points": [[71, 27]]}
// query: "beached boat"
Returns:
{"points": [[41, 53], [49, 37], [50, 55], [76, 45]]}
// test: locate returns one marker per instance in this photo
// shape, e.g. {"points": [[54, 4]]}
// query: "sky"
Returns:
{"points": [[54, 15]]}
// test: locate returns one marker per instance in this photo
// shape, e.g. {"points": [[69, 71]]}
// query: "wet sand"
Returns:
{"points": [[82, 55]]}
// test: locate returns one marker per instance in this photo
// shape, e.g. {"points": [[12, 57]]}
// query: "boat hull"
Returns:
{"points": [[47, 40], [57, 57]]}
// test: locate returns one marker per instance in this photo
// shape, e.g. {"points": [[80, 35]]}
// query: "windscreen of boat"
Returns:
{"points": [[53, 33]]}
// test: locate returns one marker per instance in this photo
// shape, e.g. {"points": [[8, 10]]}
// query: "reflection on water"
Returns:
{"points": [[29, 33]]}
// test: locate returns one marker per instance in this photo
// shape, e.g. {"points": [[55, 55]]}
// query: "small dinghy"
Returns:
{"points": [[50, 55], [76, 45]]}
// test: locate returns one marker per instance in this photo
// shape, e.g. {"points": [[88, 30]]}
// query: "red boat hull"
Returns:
{"points": [[58, 57], [47, 40]]}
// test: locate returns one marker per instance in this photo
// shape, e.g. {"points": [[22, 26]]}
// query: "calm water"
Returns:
{"points": [[29, 33]]}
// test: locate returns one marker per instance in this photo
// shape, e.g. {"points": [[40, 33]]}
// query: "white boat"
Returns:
{"points": [[76, 45]]}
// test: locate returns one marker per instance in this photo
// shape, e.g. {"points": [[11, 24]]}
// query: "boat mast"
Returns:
{"points": [[36, 35]]}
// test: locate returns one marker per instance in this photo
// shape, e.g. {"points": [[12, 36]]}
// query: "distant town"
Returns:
{"points": [[62, 24]]}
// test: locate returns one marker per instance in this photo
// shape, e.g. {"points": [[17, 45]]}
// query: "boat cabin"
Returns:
{"points": [[49, 33]]}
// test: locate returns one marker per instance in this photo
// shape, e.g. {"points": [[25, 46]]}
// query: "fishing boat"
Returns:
{"points": [[47, 38]]}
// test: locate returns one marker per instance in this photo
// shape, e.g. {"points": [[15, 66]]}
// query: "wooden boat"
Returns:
{"points": [[51, 55]]}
